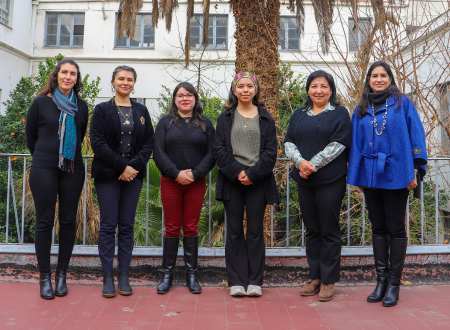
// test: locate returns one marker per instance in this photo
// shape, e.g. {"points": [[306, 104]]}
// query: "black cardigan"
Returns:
{"points": [[229, 167], [41, 132], [105, 141]]}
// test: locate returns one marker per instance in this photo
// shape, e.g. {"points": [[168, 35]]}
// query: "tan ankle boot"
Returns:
{"points": [[326, 292], [310, 288]]}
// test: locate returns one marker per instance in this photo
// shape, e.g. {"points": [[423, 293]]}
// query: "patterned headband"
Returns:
{"points": [[241, 75]]}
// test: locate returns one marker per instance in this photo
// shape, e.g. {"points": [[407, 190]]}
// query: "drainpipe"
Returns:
{"points": [[35, 4], [103, 10]]}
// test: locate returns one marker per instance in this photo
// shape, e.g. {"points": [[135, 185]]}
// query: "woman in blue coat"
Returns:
{"points": [[387, 158]]}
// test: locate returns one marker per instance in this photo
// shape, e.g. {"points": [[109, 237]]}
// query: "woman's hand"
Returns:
{"points": [[413, 183], [185, 177], [129, 174], [306, 169], [243, 178]]}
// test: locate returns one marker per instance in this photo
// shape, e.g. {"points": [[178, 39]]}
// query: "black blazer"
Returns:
{"points": [[229, 167], [105, 141]]}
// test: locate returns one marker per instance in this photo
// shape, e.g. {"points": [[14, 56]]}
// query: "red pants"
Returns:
{"points": [[182, 206]]}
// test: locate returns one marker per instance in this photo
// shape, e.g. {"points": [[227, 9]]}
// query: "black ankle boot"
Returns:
{"points": [[170, 251], [397, 254], [381, 256], [60, 283], [124, 283], [109, 290], [45, 285], [190, 245]]}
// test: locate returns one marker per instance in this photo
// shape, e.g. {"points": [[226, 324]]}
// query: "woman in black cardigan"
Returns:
{"points": [[57, 120], [245, 150], [317, 142], [122, 141]]}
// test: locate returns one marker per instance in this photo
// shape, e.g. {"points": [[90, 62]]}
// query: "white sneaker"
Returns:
{"points": [[237, 291], [254, 291]]}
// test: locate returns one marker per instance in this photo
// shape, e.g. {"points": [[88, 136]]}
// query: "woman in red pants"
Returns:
{"points": [[183, 153]]}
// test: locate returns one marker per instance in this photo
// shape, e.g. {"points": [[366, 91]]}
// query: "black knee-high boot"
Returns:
{"points": [[397, 254], [381, 256], [170, 251], [190, 245]]}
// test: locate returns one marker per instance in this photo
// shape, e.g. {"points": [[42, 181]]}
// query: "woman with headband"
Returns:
{"points": [[245, 150]]}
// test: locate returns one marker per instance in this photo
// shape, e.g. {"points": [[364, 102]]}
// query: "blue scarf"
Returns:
{"points": [[67, 130]]}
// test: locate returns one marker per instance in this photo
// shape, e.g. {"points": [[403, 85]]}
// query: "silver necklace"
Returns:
{"points": [[374, 121]]}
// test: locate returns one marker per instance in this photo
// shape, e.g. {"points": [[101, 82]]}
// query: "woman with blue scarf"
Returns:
{"points": [[387, 158], [55, 128]]}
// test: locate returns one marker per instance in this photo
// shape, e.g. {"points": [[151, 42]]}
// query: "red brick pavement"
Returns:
{"points": [[420, 307]]}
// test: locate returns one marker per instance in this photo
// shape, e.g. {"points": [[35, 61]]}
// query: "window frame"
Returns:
{"points": [[361, 35], [444, 112], [58, 29], [5, 19], [286, 35], [214, 30], [142, 35]]}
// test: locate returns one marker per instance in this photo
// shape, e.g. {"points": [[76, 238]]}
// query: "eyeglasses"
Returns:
{"points": [[180, 96]]}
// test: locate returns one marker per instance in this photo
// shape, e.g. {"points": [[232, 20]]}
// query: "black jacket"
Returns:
{"points": [[105, 141], [229, 167]]}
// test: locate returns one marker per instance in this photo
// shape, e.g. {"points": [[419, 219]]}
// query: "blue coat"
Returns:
{"points": [[387, 161]]}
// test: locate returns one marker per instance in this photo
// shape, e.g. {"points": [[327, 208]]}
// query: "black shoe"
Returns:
{"points": [[190, 245], [381, 256], [45, 285], [124, 283], [170, 251], [109, 290], [397, 254], [60, 283]]}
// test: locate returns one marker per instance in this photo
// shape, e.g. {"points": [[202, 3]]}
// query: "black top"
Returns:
{"points": [[379, 99], [106, 135], [229, 167], [183, 146], [41, 132], [126, 129], [311, 134]]}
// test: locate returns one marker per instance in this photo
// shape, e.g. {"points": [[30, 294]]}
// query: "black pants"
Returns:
{"points": [[245, 257], [46, 185], [320, 207], [118, 201], [387, 210]]}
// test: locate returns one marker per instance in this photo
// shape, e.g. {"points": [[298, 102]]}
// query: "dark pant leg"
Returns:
{"points": [[129, 198], [108, 196], [375, 206], [310, 217], [44, 188], [193, 198], [172, 201], [255, 206], [70, 186], [328, 203], [236, 258], [395, 202]]}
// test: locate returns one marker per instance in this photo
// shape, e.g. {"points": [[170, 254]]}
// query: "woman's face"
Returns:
{"points": [[185, 102], [67, 77], [319, 91], [379, 79], [124, 82], [245, 90]]}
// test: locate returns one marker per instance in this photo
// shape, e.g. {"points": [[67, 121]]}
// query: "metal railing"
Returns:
{"points": [[285, 250]]}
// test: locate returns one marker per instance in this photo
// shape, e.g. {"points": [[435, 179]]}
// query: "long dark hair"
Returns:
{"points": [[392, 89], [322, 74], [197, 118], [233, 100], [52, 82]]}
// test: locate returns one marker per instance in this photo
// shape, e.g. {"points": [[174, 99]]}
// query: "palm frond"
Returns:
{"points": [[206, 5], [126, 17]]}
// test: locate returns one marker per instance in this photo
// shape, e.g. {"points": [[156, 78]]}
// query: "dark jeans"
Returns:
{"points": [[118, 201], [320, 207], [387, 210], [46, 185], [245, 256]]}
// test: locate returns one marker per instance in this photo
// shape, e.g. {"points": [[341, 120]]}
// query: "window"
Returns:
{"points": [[4, 12], [444, 104], [144, 34], [288, 34], [357, 35], [217, 32], [140, 100], [64, 30]]}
